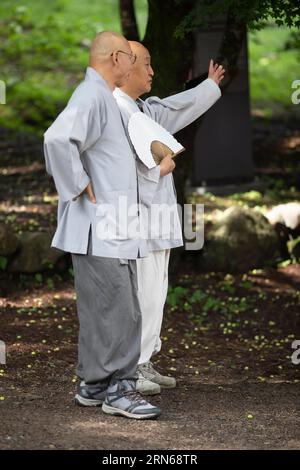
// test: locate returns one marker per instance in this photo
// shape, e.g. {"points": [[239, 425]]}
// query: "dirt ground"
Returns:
{"points": [[237, 387], [230, 348]]}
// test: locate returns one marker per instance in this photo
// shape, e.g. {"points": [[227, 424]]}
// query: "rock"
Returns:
{"points": [[9, 242], [285, 214], [286, 220], [241, 239], [36, 253]]}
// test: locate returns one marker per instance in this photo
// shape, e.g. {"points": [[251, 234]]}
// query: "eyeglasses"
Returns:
{"points": [[131, 55]]}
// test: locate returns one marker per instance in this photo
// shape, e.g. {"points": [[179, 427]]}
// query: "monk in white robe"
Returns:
{"points": [[156, 186]]}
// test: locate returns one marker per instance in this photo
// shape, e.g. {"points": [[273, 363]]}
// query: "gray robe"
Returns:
{"points": [[87, 142]]}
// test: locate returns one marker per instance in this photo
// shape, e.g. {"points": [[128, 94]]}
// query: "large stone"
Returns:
{"points": [[9, 242], [286, 220], [285, 214], [241, 239], [36, 253]]}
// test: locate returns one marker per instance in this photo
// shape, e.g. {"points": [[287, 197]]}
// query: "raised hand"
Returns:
{"points": [[216, 72]]}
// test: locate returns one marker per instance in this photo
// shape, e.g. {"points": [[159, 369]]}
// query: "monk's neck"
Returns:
{"points": [[104, 73], [130, 93]]}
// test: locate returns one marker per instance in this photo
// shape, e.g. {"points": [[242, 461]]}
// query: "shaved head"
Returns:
{"points": [[138, 48], [140, 79], [104, 44], [111, 57]]}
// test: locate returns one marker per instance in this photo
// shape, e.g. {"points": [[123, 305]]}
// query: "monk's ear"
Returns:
{"points": [[114, 56]]}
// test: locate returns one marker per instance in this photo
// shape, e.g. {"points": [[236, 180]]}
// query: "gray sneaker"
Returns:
{"points": [[90, 395], [123, 399], [149, 373], [146, 387]]}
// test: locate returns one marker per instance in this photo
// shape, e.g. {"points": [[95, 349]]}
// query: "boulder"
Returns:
{"points": [[285, 214], [239, 240], [9, 242], [36, 253], [285, 218]]}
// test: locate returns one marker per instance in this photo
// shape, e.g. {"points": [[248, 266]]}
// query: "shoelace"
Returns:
{"points": [[149, 367], [134, 396]]}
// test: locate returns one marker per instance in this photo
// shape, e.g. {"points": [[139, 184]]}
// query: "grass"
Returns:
{"points": [[93, 16], [44, 51], [272, 69]]}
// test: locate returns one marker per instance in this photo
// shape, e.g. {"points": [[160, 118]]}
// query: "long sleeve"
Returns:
{"points": [[75, 129], [178, 111]]}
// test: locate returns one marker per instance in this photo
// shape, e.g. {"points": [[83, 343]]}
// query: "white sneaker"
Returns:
{"points": [[123, 399], [145, 386], [149, 373]]}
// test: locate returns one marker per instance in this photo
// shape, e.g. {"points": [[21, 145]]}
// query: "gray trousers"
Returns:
{"points": [[109, 316]]}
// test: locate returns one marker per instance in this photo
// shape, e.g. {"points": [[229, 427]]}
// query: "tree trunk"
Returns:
{"points": [[172, 61], [128, 20], [234, 35], [171, 57]]}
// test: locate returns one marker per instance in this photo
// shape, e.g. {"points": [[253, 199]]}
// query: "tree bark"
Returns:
{"points": [[172, 61], [234, 36], [128, 20]]}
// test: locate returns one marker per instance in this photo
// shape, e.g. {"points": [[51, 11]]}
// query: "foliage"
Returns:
{"points": [[44, 51], [252, 13], [43, 55], [272, 67], [200, 304]]}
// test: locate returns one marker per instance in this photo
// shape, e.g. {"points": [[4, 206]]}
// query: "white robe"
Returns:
{"points": [[173, 113]]}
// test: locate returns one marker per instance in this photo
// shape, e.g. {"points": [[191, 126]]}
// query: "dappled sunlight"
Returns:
{"points": [[22, 170], [61, 294]]}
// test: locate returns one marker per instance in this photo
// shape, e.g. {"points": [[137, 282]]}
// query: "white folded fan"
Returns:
{"points": [[151, 141]]}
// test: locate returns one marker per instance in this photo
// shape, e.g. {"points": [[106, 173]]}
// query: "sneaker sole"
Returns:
{"points": [[163, 385], [155, 391], [149, 392], [167, 386], [117, 412], [80, 401]]}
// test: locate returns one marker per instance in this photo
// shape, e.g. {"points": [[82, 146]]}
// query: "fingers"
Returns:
{"points": [[90, 193], [220, 71], [211, 67]]}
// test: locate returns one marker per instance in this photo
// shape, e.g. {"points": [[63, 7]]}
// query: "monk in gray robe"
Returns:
{"points": [[92, 164]]}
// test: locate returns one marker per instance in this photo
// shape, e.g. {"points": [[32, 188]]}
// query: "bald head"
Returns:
{"points": [[104, 44], [140, 79], [111, 57], [138, 49]]}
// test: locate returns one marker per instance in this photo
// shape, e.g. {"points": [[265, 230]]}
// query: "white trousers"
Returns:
{"points": [[152, 276]]}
